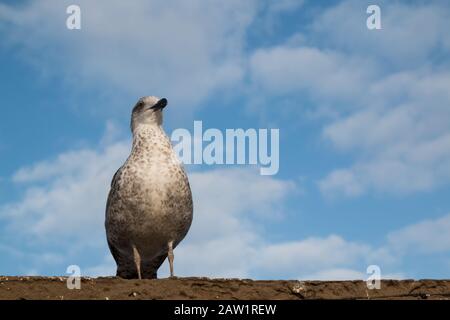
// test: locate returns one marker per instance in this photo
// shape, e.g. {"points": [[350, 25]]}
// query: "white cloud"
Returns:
{"points": [[341, 181], [398, 133], [385, 93], [284, 5], [226, 256], [407, 106], [230, 206], [402, 144], [63, 196], [410, 33], [232, 199], [245, 252], [429, 236], [180, 49], [290, 69], [311, 254]]}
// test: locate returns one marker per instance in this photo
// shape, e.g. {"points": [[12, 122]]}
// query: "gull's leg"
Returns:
{"points": [[137, 261], [170, 256]]}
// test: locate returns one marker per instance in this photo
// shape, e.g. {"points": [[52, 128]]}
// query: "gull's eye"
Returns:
{"points": [[138, 107]]}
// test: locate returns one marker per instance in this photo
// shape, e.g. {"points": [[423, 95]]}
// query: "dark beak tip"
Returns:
{"points": [[160, 104]]}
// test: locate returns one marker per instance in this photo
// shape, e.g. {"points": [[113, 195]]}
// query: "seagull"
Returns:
{"points": [[149, 208]]}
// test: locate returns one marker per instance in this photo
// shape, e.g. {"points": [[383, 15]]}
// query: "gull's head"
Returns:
{"points": [[148, 111]]}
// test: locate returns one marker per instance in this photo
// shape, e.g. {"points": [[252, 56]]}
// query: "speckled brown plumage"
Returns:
{"points": [[149, 205]]}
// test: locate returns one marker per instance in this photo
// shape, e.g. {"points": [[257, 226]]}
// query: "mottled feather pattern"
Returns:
{"points": [[149, 204]]}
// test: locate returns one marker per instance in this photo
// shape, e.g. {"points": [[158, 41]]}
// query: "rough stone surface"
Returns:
{"points": [[111, 288]]}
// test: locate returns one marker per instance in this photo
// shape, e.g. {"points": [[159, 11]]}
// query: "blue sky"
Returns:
{"points": [[364, 119]]}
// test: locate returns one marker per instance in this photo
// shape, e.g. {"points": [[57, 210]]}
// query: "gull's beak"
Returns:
{"points": [[160, 104]]}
